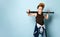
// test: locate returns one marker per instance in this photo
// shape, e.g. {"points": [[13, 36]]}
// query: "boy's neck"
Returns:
{"points": [[39, 13]]}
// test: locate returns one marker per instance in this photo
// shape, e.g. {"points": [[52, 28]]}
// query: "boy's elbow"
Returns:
{"points": [[28, 14]]}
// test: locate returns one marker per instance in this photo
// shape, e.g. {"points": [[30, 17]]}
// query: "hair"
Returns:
{"points": [[41, 5]]}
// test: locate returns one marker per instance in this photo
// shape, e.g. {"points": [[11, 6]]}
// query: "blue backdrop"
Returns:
{"points": [[14, 21]]}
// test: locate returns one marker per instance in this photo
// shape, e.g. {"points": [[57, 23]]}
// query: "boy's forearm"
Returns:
{"points": [[46, 16]]}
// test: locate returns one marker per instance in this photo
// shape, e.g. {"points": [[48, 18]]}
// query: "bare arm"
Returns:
{"points": [[46, 16]]}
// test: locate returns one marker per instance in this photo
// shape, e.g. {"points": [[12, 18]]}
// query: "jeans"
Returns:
{"points": [[37, 31]]}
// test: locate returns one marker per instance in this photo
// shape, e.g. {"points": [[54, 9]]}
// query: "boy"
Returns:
{"points": [[40, 27]]}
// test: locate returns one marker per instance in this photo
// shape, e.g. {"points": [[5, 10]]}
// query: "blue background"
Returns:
{"points": [[14, 21]]}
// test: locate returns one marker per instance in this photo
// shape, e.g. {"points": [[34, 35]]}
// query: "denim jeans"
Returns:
{"points": [[37, 31]]}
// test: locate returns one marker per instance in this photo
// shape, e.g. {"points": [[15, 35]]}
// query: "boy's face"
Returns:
{"points": [[40, 9]]}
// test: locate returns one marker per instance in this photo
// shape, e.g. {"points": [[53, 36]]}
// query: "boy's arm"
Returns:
{"points": [[32, 14], [47, 16]]}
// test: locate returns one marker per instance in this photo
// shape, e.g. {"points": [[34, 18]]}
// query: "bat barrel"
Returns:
{"points": [[37, 11], [48, 12]]}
